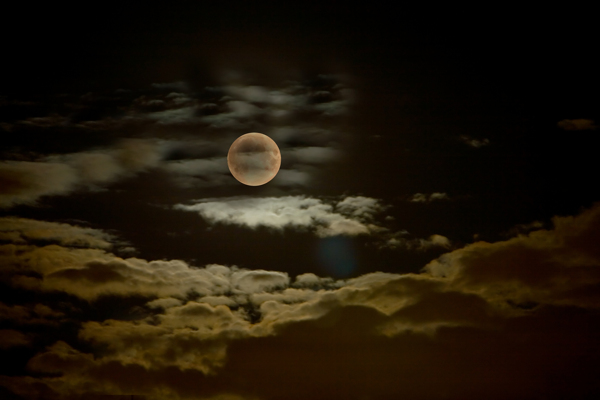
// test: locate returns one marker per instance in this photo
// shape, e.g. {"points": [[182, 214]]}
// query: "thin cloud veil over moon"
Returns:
{"points": [[254, 159]]}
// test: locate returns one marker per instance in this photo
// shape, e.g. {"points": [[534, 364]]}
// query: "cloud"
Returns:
{"points": [[174, 116], [530, 302], [260, 281], [434, 241], [23, 230], [477, 143], [164, 303], [293, 112], [200, 172], [178, 85], [238, 112], [426, 198], [25, 182], [310, 155], [558, 266], [73, 260], [291, 177], [352, 216], [11, 338], [46, 122], [520, 229], [577, 124], [29, 314]]}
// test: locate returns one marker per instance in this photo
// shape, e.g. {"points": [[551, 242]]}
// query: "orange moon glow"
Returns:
{"points": [[254, 159]]}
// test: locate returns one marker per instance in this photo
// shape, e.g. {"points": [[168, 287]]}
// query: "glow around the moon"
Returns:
{"points": [[254, 159]]}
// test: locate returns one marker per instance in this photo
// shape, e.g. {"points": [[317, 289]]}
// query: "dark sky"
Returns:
{"points": [[432, 232]]}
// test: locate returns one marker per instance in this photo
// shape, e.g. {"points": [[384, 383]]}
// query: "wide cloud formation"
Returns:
{"points": [[350, 216], [162, 125], [519, 316]]}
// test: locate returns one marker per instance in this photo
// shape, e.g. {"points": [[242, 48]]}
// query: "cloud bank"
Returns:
{"points": [[513, 315]]}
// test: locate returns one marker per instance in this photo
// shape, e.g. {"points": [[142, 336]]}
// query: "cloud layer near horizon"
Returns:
{"points": [[217, 330]]}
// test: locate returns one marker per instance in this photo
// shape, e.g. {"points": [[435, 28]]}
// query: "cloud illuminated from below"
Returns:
{"points": [[350, 216]]}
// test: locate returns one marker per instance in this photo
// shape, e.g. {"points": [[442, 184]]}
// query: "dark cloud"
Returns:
{"points": [[521, 229], [179, 85], [256, 334], [476, 143], [577, 124], [426, 198], [12, 338], [398, 240], [23, 231], [558, 266]]}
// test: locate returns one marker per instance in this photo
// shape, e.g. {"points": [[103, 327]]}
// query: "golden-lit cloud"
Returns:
{"points": [[558, 266], [202, 332], [12, 338]]}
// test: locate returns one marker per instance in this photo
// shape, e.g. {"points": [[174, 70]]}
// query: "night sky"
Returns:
{"points": [[433, 232]]}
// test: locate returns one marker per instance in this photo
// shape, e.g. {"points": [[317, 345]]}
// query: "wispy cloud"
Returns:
{"points": [[24, 182], [291, 113], [476, 143], [426, 198], [178, 85], [577, 124], [433, 241]]}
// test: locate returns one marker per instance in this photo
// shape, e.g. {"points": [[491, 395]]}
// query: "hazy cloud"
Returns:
{"points": [[11, 338], [474, 142], [178, 85], [397, 241], [25, 182], [200, 172], [174, 116], [426, 198], [577, 124], [292, 177], [310, 155], [22, 231]]}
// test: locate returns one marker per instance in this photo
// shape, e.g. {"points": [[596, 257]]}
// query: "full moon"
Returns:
{"points": [[254, 159]]}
